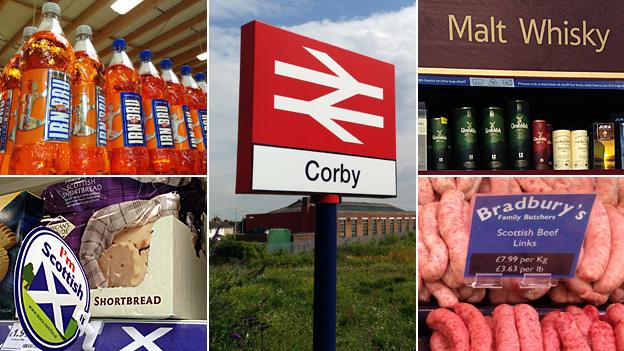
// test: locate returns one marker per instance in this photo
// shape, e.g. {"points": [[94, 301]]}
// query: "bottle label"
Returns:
{"points": [[198, 130], [158, 133], [12, 106], [180, 136], [5, 110], [88, 117], [124, 118], [189, 127], [203, 117], [45, 106]]}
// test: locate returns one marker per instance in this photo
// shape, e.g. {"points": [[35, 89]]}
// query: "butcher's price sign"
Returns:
{"points": [[527, 234], [313, 117]]}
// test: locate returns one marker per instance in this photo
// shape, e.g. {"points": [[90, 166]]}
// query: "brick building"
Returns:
{"points": [[354, 219]]}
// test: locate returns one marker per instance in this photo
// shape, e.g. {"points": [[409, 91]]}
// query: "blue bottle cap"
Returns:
{"points": [[186, 70], [200, 76], [166, 63], [145, 55], [119, 44]]}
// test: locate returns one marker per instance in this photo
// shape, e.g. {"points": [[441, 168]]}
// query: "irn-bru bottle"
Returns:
{"points": [[200, 78], [44, 117], [182, 126], [9, 102], [162, 152], [88, 142], [197, 104], [124, 115]]}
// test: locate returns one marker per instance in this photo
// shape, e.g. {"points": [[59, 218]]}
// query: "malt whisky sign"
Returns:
{"points": [[577, 39]]}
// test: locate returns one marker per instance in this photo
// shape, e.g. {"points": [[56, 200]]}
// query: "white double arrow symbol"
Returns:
{"points": [[321, 108]]}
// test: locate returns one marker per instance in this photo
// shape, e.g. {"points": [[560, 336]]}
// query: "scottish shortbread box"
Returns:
{"points": [[149, 271], [19, 213]]}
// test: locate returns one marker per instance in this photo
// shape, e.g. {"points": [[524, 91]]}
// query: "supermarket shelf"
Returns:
{"points": [[511, 82], [114, 335], [531, 172]]}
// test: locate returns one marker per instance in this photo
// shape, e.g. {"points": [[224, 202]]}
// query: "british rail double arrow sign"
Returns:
{"points": [[313, 118]]}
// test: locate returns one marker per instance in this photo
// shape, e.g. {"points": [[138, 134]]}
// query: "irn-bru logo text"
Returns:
{"points": [[162, 122], [58, 119], [101, 117], [5, 111], [189, 127], [131, 115], [65, 267], [203, 119]]}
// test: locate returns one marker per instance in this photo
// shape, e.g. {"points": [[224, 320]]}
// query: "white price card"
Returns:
{"points": [[17, 340]]}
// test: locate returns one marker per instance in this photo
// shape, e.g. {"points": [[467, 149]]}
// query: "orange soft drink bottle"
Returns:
{"points": [[44, 117], [180, 121], [9, 102], [88, 141], [158, 134], [200, 78], [196, 99], [124, 115]]}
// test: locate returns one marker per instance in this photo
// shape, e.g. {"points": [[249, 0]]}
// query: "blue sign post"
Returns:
{"points": [[527, 235], [324, 325]]}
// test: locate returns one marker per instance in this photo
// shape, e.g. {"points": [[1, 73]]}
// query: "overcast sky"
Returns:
{"points": [[385, 30]]}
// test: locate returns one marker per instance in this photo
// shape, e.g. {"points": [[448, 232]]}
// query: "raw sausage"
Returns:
{"points": [[571, 337], [446, 297], [602, 336], [484, 187], [534, 185], [425, 191], [500, 185], [453, 231], [438, 342], [433, 265], [592, 312], [583, 322], [477, 296], [607, 190], [451, 327], [584, 290], [505, 326], [490, 322], [529, 329], [615, 314], [468, 185], [597, 245], [550, 338], [442, 184], [480, 333], [619, 336], [613, 276]]}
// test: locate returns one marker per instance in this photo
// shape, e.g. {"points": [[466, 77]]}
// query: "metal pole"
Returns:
{"points": [[325, 236]]}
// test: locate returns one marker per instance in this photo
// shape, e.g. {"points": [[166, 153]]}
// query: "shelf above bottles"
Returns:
{"points": [[531, 172], [510, 82]]}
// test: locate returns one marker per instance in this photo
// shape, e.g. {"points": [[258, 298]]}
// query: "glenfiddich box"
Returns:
{"points": [[603, 146], [422, 136]]}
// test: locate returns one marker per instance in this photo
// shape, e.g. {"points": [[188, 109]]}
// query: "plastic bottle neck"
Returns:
{"points": [[169, 76], [83, 43], [147, 67], [189, 82], [120, 58], [50, 23], [203, 85]]}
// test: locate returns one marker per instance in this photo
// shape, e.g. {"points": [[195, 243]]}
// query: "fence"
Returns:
{"points": [[308, 245]]}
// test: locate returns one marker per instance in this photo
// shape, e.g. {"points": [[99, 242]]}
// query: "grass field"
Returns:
{"points": [[264, 302]]}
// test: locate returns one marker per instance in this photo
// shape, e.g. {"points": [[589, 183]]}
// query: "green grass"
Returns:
{"points": [[264, 302]]}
